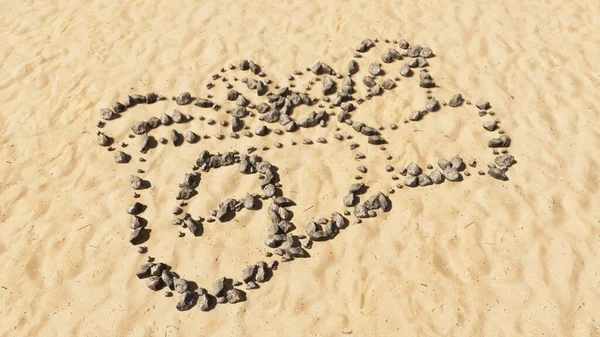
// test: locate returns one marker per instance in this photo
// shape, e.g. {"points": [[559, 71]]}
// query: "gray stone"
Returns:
{"points": [[415, 116], [144, 270], [328, 85], [457, 163], [352, 67], [140, 128], [180, 285], [186, 301], [375, 68], [505, 160], [365, 45], [350, 200], [502, 141], [424, 180], [155, 283], [183, 98], [405, 71], [432, 105], [104, 140], [107, 114], [451, 174], [497, 173], [436, 177], [411, 181], [443, 163], [248, 273], [413, 169], [361, 211], [482, 105], [389, 84], [426, 52], [455, 101], [204, 302], [490, 125], [190, 137], [369, 82]]}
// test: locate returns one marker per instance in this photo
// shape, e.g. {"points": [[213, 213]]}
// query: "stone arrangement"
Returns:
{"points": [[274, 107]]}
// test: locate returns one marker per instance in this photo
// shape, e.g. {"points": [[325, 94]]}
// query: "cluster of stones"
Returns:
{"points": [[277, 106]]}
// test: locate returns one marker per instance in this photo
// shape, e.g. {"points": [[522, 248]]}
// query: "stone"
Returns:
{"points": [[262, 272], [502, 141], [415, 116], [482, 105], [455, 101], [135, 208], [204, 302], [432, 105], [375, 69], [389, 84], [436, 176], [190, 137], [107, 114], [204, 103], [451, 174], [180, 285], [413, 169], [443, 163], [274, 241], [219, 286], [153, 122], [361, 212], [376, 140], [232, 95], [261, 130], [165, 119], [357, 188], [321, 68], [350, 200], [269, 190], [248, 273], [328, 86], [490, 125], [352, 67], [414, 51], [505, 160], [347, 106], [144, 270], [252, 285], [364, 45], [183, 98], [192, 225], [457, 163], [390, 55], [497, 173], [403, 44], [405, 71], [135, 222], [155, 283], [411, 181], [424, 180], [140, 128], [118, 107], [186, 301], [426, 52], [369, 82]]}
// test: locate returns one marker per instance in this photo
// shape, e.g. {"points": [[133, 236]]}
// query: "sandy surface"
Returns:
{"points": [[477, 258]]}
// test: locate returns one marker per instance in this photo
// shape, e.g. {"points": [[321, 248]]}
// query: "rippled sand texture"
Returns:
{"points": [[477, 258]]}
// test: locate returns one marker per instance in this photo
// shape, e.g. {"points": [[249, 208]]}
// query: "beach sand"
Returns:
{"points": [[478, 258]]}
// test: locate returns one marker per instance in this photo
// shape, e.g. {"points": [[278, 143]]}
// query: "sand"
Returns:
{"points": [[476, 258]]}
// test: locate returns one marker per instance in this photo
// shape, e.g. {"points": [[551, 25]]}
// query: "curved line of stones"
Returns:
{"points": [[280, 235]]}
